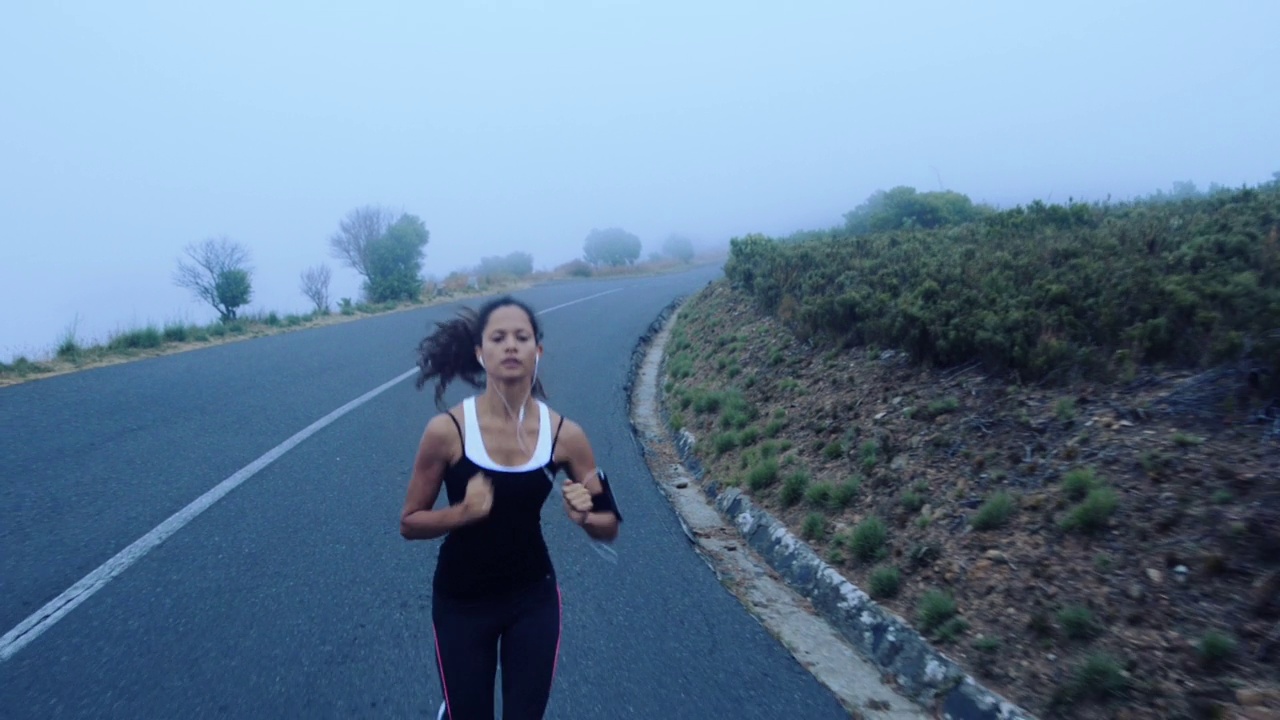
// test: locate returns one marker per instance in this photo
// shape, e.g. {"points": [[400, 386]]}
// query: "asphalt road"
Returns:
{"points": [[294, 595]]}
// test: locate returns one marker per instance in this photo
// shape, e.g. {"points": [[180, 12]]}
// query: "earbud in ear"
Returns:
{"points": [[481, 359]]}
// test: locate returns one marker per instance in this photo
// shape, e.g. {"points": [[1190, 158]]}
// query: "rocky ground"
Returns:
{"points": [[1086, 551]]}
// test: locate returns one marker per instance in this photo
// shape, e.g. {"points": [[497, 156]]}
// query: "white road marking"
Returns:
{"points": [[54, 610], [575, 302]]}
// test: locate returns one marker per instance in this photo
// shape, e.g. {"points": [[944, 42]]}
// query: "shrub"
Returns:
{"points": [[763, 475], [144, 338], [869, 452], [814, 526], [884, 582], [868, 539], [724, 442], [793, 488], [176, 332], [1215, 649], [1077, 483], [987, 644], [844, 493], [936, 408], [912, 501], [995, 512], [934, 609], [1098, 677], [1064, 409], [818, 494], [1046, 291], [1092, 514], [575, 268], [1077, 622]]}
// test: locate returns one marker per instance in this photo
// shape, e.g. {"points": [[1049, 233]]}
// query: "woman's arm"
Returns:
{"points": [[575, 453], [417, 520]]}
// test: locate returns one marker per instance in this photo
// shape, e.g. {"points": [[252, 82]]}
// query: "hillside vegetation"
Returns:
{"points": [[1045, 292], [1047, 437]]}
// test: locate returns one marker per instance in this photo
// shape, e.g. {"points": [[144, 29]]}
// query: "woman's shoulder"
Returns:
{"points": [[555, 416], [446, 422], [442, 438], [563, 426]]}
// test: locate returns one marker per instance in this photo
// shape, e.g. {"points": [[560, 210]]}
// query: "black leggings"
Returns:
{"points": [[467, 651]]}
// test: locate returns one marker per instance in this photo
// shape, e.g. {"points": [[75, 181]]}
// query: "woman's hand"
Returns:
{"points": [[577, 501], [479, 498], [574, 453]]}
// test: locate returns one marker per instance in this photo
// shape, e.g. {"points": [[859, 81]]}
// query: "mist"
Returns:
{"points": [[133, 129]]}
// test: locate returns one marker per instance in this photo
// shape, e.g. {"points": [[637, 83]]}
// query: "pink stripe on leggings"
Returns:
{"points": [[447, 708], [559, 634]]}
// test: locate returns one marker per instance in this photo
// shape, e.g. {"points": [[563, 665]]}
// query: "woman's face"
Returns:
{"points": [[508, 346]]}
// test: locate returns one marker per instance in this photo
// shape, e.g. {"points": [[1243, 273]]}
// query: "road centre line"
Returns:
{"points": [[54, 610]]}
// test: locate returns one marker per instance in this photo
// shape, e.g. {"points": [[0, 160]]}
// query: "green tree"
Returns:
{"points": [[218, 274], [678, 247], [903, 208], [517, 264], [386, 251], [393, 261], [611, 246]]}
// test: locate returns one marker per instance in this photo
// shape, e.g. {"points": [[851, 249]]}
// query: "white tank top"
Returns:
{"points": [[474, 442]]}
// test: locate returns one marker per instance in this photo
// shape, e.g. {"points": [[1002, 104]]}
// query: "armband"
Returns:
{"points": [[605, 502]]}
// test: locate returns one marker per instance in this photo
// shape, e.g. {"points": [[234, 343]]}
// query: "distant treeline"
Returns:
{"points": [[388, 249], [1045, 291]]}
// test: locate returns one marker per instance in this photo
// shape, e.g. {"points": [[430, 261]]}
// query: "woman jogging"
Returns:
{"points": [[494, 593]]}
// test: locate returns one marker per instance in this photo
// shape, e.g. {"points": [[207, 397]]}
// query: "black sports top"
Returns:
{"points": [[505, 551]]}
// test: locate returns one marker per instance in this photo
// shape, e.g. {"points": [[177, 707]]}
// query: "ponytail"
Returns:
{"points": [[449, 353]]}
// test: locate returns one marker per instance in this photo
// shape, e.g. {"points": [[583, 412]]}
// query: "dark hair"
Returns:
{"points": [[450, 351]]}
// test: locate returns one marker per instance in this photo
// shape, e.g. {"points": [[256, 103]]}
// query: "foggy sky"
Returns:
{"points": [[130, 129]]}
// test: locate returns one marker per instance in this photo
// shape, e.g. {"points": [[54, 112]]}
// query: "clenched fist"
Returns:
{"points": [[577, 501], [479, 498]]}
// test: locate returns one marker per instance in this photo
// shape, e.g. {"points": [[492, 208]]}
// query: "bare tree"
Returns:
{"points": [[315, 285], [218, 274], [360, 228]]}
